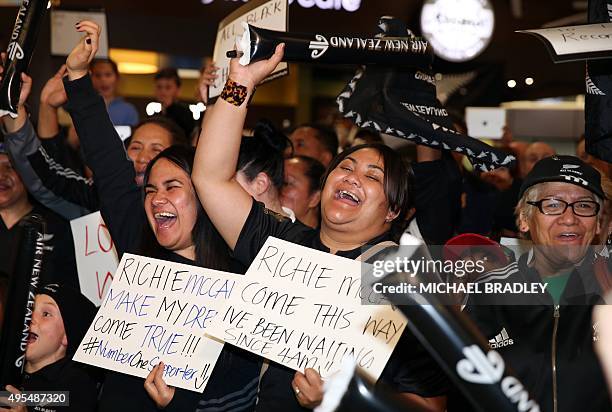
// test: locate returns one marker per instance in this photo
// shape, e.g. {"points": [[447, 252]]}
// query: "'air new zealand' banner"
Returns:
{"points": [[401, 101], [23, 286]]}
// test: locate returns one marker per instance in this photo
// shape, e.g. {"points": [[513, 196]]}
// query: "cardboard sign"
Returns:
{"points": [[64, 36], [267, 14], [571, 43], [96, 256], [159, 311], [302, 308]]}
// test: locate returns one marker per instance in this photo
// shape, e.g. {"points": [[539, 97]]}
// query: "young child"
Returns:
{"points": [[60, 319]]}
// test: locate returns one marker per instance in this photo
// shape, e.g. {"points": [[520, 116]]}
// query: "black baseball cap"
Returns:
{"points": [[77, 312], [566, 169]]}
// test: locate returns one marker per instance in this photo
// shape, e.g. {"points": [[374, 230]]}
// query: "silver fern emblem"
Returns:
{"points": [[591, 88]]}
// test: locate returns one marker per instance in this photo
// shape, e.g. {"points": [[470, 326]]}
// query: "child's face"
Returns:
{"points": [[47, 341]]}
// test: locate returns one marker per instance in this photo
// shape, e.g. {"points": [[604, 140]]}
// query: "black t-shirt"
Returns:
{"points": [[410, 368], [65, 375], [437, 187], [59, 264]]}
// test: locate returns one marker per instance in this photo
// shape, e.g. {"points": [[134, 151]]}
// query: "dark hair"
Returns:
{"points": [[398, 181], [325, 135], [314, 171], [368, 136], [178, 135], [112, 63], [211, 251], [263, 152], [169, 73]]}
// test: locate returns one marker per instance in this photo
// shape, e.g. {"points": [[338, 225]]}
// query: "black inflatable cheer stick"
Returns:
{"points": [[24, 282], [19, 52]]}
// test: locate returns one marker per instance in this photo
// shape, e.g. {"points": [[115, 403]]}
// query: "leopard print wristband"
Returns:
{"points": [[234, 93]]}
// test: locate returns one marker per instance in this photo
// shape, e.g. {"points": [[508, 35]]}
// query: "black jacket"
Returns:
{"points": [[236, 374], [120, 199], [409, 369], [59, 264], [65, 375], [535, 335]]}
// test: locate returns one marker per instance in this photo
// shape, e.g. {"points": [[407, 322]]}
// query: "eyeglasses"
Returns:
{"points": [[584, 208]]}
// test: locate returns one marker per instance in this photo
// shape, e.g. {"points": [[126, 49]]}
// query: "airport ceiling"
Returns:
{"points": [[188, 27]]}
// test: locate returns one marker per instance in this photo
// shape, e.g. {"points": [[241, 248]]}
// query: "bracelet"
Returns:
{"points": [[234, 93]]}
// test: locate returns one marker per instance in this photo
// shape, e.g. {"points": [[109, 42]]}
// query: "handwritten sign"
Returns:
{"points": [[302, 308], [267, 14], [571, 43], [159, 311], [96, 256]]}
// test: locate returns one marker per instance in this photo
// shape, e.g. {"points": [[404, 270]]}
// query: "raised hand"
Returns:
{"points": [[83, 53], [53, 94], [14, 406], [308, 388], [207, 79], [157, 389], [251, 75]]}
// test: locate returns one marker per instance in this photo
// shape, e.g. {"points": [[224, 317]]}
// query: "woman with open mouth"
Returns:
{"points": [[172, 226], [365, 196]]}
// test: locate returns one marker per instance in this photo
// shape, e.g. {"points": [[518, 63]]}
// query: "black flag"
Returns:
{"points": [[23, 285], [402, 102]]}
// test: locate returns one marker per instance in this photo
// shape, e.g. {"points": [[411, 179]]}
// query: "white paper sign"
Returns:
{"points": [[267, 14], [570, 43], [159, 311], [96, 256], [302, 308], [64, 35]]}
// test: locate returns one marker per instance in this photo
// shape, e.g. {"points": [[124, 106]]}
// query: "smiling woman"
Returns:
{"points": [[171, 226], [365, 195], [175, 214]]}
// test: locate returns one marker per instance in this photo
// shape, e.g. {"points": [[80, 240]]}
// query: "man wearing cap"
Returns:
{"points": [[548, 338], [60, 319]]}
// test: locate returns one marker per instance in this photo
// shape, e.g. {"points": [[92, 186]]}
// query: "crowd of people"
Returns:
{"points": [[215, 204]]}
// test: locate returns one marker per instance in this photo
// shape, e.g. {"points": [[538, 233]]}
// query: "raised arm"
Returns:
{"points": [[52, 97], [224, 200], [120, 197], [24, 148]]}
